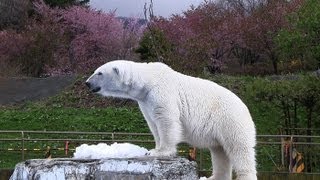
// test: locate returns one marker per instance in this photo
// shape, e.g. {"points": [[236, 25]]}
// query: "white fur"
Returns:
{"points": [[180, 108]]}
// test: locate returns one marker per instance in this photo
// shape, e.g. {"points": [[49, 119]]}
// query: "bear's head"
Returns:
{"points": [[114, 78]]}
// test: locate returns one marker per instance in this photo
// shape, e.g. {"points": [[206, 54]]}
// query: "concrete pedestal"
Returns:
{"points": [[104, 169]]}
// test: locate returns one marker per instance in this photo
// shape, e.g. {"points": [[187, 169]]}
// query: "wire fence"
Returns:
{"points": [[275, 153]]}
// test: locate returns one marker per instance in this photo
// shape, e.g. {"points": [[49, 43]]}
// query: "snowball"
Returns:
{"points": [[115, 150]]}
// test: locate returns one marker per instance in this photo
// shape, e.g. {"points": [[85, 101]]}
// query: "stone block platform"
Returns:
{"points": [[142, 168]]}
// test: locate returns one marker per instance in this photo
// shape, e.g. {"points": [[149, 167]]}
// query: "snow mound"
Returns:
{"points": [[203, 178], [103, 150]]}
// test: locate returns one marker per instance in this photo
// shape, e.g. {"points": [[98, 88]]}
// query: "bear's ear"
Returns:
{"points": [[115, 70]]}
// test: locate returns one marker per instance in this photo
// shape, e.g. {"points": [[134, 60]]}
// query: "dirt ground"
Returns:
{"points": [[17, 90]]}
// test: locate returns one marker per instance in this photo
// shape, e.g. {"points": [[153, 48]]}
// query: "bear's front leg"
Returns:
{"points": [[169, 131], [153, 128], [163, 148], [151, 124], [154, 131]]}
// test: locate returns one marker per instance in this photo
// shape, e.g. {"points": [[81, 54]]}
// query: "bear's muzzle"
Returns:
{"points": [[93, 89]]}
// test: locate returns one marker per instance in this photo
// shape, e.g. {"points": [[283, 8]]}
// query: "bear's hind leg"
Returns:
{"points": [[221, 166], [243, 161]]}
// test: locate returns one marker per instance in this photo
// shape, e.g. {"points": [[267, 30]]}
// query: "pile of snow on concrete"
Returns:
{"points": [[203, 178], [103, 150]]}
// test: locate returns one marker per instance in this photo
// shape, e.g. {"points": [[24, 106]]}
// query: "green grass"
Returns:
{"points": [[73, 119]]}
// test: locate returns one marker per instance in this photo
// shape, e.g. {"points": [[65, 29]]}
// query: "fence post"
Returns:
{"points": [[22, 144], [112, 137], [282, 151], [290, 155]]}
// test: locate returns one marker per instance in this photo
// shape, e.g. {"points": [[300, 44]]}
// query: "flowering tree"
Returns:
{"points": [[95, 37], [73, 39], [191, 41], [213, 34], [263, 25]]}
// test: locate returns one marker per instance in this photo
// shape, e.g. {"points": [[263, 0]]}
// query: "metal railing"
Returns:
{"points": [[24, 137], [270, 148]]}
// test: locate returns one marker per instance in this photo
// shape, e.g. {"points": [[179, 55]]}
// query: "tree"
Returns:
{"points": [[189, 41], [261, 27], [156, 49], [300, 40]]}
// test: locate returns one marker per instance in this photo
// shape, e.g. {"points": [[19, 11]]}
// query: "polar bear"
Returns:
{"points": [[180, 108]]}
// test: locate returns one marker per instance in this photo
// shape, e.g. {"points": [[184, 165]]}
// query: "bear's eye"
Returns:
{"points": [[99, 73]]}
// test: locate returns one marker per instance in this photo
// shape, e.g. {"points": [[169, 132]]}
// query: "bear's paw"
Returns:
{"points": [[162, 152]]}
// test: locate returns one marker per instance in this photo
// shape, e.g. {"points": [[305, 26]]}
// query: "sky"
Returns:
{"points": [[134, 8]]}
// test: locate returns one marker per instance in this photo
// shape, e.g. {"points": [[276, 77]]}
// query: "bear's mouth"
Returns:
{"points": [[96, 89]]}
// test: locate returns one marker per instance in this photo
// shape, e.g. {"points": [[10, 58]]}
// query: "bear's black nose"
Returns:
{"points": [[88, 84], [96, 89]]}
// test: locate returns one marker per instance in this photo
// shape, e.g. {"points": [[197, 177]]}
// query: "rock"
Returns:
{"points": [[144, 168]]}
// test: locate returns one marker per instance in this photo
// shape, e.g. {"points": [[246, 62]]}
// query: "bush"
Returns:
{"points": [[297, 100], [296, 97]]}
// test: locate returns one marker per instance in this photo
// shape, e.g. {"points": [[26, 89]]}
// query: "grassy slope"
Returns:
{"points": [[72, 119], [79, 110]]}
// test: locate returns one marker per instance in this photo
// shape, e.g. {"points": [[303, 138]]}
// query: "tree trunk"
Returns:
{"points": [[295, 118], [289, 117], [284, 107], [274, 63]]}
